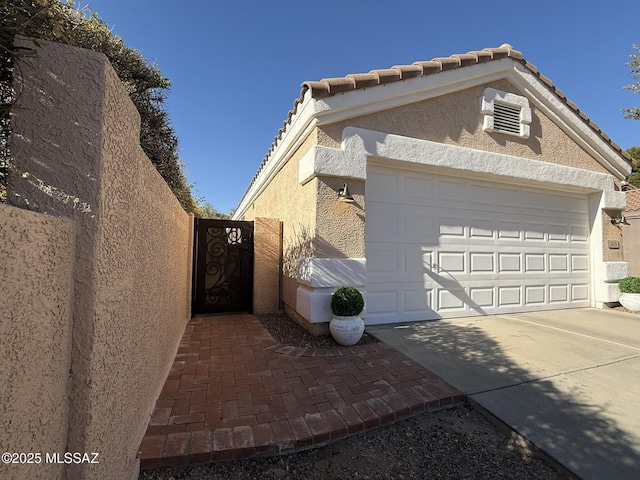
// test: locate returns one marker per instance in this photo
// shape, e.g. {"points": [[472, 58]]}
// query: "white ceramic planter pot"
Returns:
{"points": [[630, 301], [346, 331]]}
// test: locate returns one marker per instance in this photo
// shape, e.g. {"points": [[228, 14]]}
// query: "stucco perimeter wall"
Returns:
{"points": [[456, 119], [36, 275], [295, 206], [77, 155]]}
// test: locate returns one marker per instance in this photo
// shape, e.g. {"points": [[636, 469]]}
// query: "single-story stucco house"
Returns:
{"points": [[478, 188]]}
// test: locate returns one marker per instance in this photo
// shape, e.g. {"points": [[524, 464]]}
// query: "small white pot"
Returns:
{"points": [[346, 331], [630, 301]]}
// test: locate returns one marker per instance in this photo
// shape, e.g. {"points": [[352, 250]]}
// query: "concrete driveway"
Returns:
{"points": [[566, 380]]}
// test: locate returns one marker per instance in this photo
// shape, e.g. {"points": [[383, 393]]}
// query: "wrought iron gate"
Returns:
{"points": [[223, 266]]}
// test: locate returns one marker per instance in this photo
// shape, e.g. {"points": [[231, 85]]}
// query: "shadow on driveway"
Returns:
{"points": [[565, 380]]}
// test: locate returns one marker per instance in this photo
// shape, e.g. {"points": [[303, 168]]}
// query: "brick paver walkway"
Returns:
{"points": [[234, 392]]}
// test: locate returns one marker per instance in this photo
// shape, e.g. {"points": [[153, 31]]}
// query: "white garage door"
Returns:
{"points": [[443, 247]]}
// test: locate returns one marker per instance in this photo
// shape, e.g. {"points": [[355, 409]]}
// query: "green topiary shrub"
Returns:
{"points": [[347, 302], [629, 285]]}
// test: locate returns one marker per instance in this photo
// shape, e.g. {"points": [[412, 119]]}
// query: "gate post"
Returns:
{"points": [[267, 238]]}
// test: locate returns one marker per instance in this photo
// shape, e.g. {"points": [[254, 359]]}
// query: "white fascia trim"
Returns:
{"points": [[359, 144], [570, 122], [329, 162]]}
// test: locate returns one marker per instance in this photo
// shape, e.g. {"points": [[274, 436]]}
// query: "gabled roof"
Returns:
{"points": [[329, 87]]}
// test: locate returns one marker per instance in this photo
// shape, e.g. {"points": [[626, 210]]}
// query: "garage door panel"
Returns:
{"points": [[417, 300], [558, 233], [452, 300], [482, 262], [451, 192], [383, 221], [408, 302], [381, 303], [483, 297], [534, 262], [535, 295], [509, 263], [471, 248], [452, 262], [558, 262], [579, 234], [509, 229], [510, 295], [580, 292], [387, 262], [452, 227], [579, 263]]}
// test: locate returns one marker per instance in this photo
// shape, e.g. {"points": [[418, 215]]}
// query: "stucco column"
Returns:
{"points": [[267, 247]]}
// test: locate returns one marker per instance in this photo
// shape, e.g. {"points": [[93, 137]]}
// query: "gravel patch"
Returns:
{"points": [[288, 332], [451, 444]]}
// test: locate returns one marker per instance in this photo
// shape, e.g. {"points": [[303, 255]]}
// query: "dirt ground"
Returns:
{"points": [[450, 444]]}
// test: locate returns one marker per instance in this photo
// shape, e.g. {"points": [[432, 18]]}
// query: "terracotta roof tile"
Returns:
{"points": [[571, 105], [337, 85], [408, 71], [465, 59], [500, 52], [364, 80], [448, 63], [328, 87], [481, 56], [429, 67], [633, 199], [387, 75]]}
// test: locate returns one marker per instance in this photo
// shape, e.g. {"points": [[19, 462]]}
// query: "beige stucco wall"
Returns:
{"points": [[340, 226], [36, 293], [267, 247], [294, 205], [611, 238], [77, 155], [456, 119]]}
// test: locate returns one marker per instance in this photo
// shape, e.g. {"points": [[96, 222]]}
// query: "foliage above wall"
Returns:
{"points": [[61, 22], [634, 65]]}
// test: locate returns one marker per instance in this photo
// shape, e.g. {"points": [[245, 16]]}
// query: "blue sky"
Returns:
{"points": [[236, 67]]}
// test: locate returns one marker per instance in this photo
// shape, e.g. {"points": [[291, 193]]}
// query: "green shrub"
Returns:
{"points": [[347, 302], [629, 285]]}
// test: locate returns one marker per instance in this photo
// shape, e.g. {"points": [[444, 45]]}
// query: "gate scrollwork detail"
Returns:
{"points": [[224, 266]]}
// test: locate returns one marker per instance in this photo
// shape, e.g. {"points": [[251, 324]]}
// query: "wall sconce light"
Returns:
{"points": [[619, 220], [344, 195]]}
